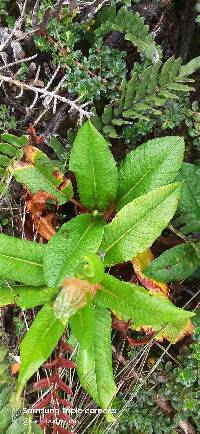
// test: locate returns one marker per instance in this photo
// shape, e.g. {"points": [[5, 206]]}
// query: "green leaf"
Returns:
{"points": [[14, 140], [177, 263], [21, 260], [5, 395], [94, 166], [151, 165], [179, 87], [189, 223], [110, 131], [165, 76], [43, 175], [26, 297], [83, 324], [143, 307], [58, 148], [7, 296], [5, 418], [7, 149], [190, 193], [190, 67], [130, 91], [31, 297], [24, 425], [38, 344], [107, 114], [94, 364], [76, 238], [138, 224], [143, 84]]}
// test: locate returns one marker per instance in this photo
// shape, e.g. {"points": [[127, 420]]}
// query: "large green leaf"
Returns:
{"points": [[21, 260], [151, 165], [94, 364], [190, 67], [38, 344], [83, 324], [26, 297], [67, 248], [24, 425], [41, 174], [190, 193], [138, 224], [177, 263], [188, 223], [94, 167], [7, 296], [144, 308]]}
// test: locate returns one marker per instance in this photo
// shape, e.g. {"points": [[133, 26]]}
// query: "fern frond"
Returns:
{"points": [[144, 95], [129, 23]]}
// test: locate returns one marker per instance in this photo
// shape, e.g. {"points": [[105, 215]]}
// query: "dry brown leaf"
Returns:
{"points": [[36, 206]]}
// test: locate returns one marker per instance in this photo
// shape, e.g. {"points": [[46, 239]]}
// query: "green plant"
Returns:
{"points": [[10, 149], [188, 212], [7, 122], [177, 263], [12, 421], [183, 260], [3, 7], [168, 401], [97, 71], [144, 96], [130, 24], [67, 275], [198, 10]]}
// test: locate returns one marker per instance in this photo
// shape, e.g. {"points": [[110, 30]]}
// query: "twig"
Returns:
{"points": [[45, 93], [17, 26], [17, 62]]}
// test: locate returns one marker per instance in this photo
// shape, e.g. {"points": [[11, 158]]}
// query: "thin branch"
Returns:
{"points": [[17, 62], [45, 93], [17, 26]]}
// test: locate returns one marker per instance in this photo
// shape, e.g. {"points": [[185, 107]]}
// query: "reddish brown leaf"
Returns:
{"points": [[38, 202], [35, 140], [64, 363], [44, 226], [139, 263], [138, 342], [44, 422], [36, 206], [66, 347], [61, 362], [64, 387], [60, 400], [43, 383], [57, 429], [66, 418], [44, 402]]}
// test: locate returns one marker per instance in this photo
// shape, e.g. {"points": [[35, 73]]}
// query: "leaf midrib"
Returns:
{"points": [[21, 260], [42, 337], [93, 174], [135, 224], [154, 169], [74, 250]]}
